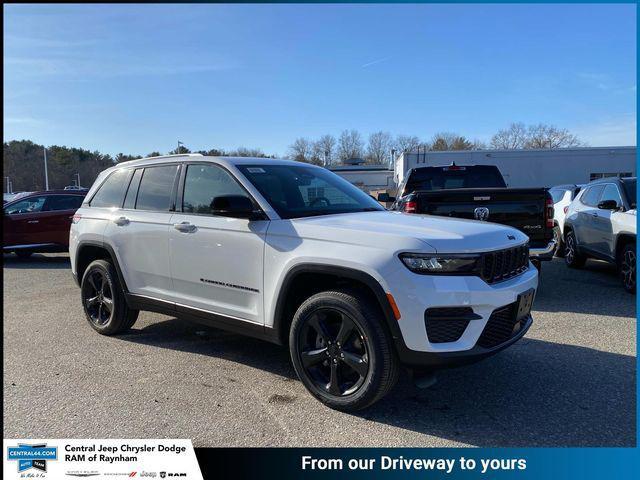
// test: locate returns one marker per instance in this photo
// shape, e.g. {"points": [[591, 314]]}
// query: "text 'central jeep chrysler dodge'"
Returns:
{"points": [[294, 254]]}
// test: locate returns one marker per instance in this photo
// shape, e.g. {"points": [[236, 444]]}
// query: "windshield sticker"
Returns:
{"points": [[255, 170]]}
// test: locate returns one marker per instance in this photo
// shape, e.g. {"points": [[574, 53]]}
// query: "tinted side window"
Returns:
{"points": [[591, 196], [28, 205], [112, 190], [205, 182], [557, 194], [130, 199], [63, 202], [156, 188], [611, 193]]}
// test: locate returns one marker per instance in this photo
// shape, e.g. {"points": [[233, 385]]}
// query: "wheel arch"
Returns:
{"points": [[622, 240], [89, 251], [296, 287]]}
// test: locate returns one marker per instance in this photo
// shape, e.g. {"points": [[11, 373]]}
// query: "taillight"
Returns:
{"points": [[566, 209], [549, 212], [410, 207], [76, 218]]}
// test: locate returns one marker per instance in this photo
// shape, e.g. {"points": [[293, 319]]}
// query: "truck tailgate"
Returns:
{"points": [[521, 208]]}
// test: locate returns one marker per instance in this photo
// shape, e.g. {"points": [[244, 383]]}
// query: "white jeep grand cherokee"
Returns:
{"points": [[294, 254]]}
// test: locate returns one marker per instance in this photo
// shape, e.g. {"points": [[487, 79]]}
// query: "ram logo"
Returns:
{"points": [[481, 213]]}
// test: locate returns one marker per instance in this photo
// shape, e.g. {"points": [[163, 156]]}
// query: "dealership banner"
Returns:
{"points": [[119, 458]]}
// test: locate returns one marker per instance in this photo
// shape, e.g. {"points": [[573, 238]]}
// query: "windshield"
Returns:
{"points": [[303, 191], [630, 191], [444, 178]]}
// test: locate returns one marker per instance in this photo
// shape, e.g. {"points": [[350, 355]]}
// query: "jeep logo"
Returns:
{"points": [[481, 213]]}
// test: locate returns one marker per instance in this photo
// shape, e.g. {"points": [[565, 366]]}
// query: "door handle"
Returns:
{"points": [[121, 221], [33, 221], [185, 227]]}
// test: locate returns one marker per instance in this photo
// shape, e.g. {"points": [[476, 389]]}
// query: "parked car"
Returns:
{"points": [[294, 254], [601, 223], [562, 196], [479, 192], [75, 187], [39, 222]]}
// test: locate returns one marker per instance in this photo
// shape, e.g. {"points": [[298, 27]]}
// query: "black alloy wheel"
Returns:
{"points": [[103, 299], [97, 296], [341, 349], [333, 351]]}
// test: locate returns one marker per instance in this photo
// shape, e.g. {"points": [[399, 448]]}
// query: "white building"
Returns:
{"points": [[533, 168], [367, 177]]}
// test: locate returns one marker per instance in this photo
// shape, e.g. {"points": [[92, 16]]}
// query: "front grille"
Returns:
{"points": [[504, 264], [502, 325], [447, 324]]}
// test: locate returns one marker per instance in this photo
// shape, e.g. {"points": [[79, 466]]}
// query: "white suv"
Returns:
{"points": [[294, 254]]}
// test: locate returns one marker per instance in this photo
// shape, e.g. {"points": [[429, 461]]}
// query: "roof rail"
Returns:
{"points": [[175, 155]]}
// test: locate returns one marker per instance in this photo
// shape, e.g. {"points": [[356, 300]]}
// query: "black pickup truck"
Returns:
{"points": [[479, 192]]}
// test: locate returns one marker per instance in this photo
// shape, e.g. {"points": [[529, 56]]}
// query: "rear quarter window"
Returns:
{"points": [[111, 192]]}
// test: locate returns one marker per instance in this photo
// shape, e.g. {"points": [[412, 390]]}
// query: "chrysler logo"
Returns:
{"points": [[481, 213]]}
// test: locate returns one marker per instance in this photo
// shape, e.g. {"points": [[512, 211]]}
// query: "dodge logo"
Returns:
{"points": [[481, 213]]}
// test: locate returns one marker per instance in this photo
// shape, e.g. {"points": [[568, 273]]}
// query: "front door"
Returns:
{"points": [[21, 222], [604, 240], [216, 261]]}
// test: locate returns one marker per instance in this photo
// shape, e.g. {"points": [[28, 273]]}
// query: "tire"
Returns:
{"points": [[103, 300], [627, 267], [557, 236], [23, 254], [572, 257], [362, 362]]}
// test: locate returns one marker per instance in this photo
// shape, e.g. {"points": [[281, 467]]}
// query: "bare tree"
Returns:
{"points": [[379, 148], [325, 148], [549, 136], [406, 143], [301, 150], [513, 137], [450, 141], [350, 145]]}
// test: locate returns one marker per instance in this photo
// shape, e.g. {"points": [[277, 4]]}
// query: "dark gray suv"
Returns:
{"points": [[601, 223]]}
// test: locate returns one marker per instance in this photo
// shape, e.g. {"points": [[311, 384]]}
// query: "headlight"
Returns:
{"points": [[440, 264]]}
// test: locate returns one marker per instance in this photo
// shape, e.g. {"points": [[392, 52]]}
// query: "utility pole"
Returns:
{"points": [[46, 174], [9, 185], [76, 178]]}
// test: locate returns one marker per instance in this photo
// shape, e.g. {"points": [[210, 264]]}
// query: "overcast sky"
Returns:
{"points": [[137, 78]]}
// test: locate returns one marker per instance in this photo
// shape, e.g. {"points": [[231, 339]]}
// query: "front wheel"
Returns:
{"points": [[341, 351], [627, 267], [572, 257]]}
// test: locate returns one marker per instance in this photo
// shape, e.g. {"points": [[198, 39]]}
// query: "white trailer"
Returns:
{"points": [[533, 168]]}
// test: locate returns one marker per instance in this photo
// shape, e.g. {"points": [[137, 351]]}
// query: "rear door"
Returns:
{"points": [[216, 261], [55, 219], [138, 230]]}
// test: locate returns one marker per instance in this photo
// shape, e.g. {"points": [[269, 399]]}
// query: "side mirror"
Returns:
{"points": [[385, 197], [608, 205], [235, 206]]}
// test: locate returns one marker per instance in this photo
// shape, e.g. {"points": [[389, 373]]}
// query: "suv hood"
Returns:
{"points": [[444, 235]]}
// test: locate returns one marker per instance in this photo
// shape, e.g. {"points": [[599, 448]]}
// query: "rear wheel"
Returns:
{"points": [[24, 254], [105, 306], [341, 351], [572, 257], [627, 267]]}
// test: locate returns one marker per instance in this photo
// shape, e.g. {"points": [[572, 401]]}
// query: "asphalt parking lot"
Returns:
{"points": [[570, 382]]}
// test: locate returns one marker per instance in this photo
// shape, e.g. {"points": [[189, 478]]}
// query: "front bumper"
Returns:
{"points": [[543, 253], [415, 294]]}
